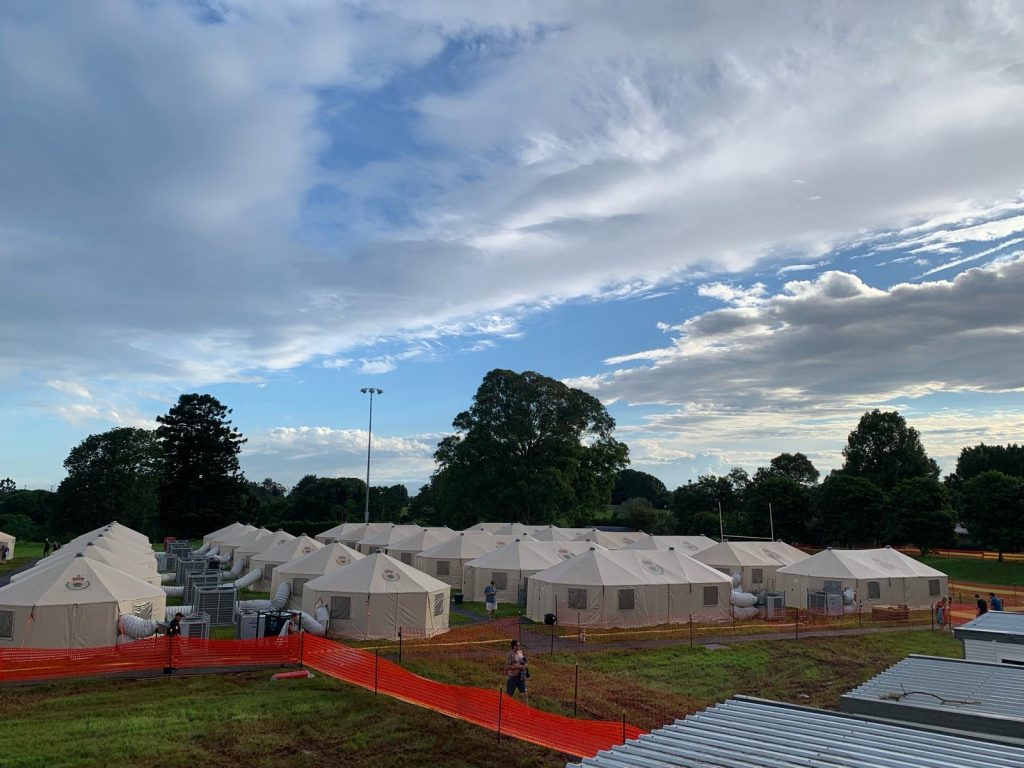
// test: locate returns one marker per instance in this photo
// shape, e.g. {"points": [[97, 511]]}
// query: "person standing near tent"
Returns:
{"points": [[982, 605], [940, 612], [490, 600], [517, 671], [5, 551], [46, 546], [995, 601], [174, 628]]}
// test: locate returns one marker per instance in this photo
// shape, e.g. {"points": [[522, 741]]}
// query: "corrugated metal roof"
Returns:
{"points": [[753, 733], [966, 695], [994, 625]]}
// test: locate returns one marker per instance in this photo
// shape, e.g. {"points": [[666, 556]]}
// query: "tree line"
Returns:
{"points": [[533, 450]]}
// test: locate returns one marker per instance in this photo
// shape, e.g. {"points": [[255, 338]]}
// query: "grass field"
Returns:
{"points": [[979, 571], [504, 610], [24, 553]]}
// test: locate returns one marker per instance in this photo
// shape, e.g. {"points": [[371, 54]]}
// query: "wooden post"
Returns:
{"points": [[399, 645], [576, 690], [623, 726], [691, 630], [376, 661], [501, 696], [796, 624]]}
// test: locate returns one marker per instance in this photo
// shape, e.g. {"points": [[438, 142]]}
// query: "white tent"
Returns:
{"points": [[515, 529], [302, 569], [380, 540], [10, 541], [259, 545], [379, 596], [611, 539], [73, 605], [270, 559], [446, 560], [554, 533], [484, 528], [332, 535], [878, 577], [358, 532], [510, 566], [229, 544], [688, 545], [407, 549], [227, 532], [98, 553], [129, 533], [756, 561], [135, 557], [629, 588]]}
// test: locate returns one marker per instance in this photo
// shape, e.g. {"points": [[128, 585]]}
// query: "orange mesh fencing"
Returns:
{"points": [[21, 664]]}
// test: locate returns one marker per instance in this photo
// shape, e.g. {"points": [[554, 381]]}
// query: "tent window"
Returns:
{"points": [[710, 597], [341, 608], [874, 590], [442, 567], [268, 571], [297, 585], [500, 579], [757, 575], [933, 587], [627, 599], [439, 604], [406, 558], [6, 625], [578, 599]]}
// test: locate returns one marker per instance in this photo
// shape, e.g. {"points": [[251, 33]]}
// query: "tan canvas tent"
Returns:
{"points": [[334, 534], [611, 539], [100, 554], [380, 540], [688, 545], [259, 545], [510, 566], [877, 576], [484, 528], [9, 540], [377, 596], [407, 549], [514, 529], [352, 536], [446, 560], [757, 562], [297, 572], [270, 559], [554, 533], [227, 532], [229, 544], [73, 605], [629, 588]]}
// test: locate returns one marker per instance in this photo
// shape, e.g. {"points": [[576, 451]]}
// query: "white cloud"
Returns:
{"points": [[70, 388]]}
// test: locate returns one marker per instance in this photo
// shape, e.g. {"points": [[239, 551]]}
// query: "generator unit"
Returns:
{"points": [[773, 607], [187, 565], [196, 626], [253, 624], [217, 602], [195, 579], [824, 603]]}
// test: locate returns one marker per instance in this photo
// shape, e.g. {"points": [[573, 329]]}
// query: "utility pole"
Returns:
{"points": [[371, 391]]}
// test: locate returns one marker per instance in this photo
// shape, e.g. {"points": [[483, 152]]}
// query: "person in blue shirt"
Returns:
{"points": [[995, 602], [490, 600]]}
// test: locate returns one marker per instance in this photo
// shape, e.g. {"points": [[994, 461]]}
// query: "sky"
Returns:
{"points": [[740, 225]]}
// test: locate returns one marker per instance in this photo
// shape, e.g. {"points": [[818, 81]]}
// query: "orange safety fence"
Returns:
{"points": [[487, 708], [964, 591], [969, 554]]}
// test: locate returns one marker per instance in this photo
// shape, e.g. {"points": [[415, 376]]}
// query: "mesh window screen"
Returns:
{"points": [[578, 599], [627, 599], [442, 567], [341, 608], [407, 558], [268, 571], [874, 590], [6, 625], [933, 587], [710, 597], [757, 575], [500, 579], [439, 604], [297, 585]]}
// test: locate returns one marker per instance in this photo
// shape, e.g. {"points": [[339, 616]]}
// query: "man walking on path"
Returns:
{"points": [[46, 547], [490, 600], [982, 605], [517, 672], [995, 601]]}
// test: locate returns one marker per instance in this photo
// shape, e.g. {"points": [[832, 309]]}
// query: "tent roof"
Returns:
{"points": [[689, 545], [6, 537], [514, 529], [485, 527], [289, 550], [631, 567], [377, 573], [360, 531], [89, 549], [467, 546], [340, 530], [131, 533], [884, 563], [531, 555], [553, 533], [390, 535], [261, 544], [78, 581], [425, 539], [611, 539], [234, 529], [320, 561], [243, 538], [751, 554]]}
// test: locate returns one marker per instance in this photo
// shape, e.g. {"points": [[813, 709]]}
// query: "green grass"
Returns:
{"points": [[979, 571], [504, 610], [24, 553], [233, 720]]}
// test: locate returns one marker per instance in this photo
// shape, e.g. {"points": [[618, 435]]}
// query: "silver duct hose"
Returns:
{"points": [[254, 605], [203, 550], [246, 581], [318, 625], [167, 578], [236, 569], [174, 591], [184, 610], [136, 627], [280, 599]]}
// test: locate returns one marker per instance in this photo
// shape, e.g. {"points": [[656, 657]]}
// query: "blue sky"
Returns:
{"points": [[739, 226]]}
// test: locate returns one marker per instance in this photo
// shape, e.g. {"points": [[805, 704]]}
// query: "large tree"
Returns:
{"points": [[323, 502], [849, 511], [696, 505], [789, 513], [111, 476], [795, 466], [973, 460], [529, 449], [632, 484], [920, 514], [201, 486], [884, 450], [993, 511]]}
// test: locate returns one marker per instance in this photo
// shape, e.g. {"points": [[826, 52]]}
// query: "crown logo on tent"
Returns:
{"points": [[564, 553], [77, 582], [651, 567], [389, 575], [306, 550], [341, 560]]}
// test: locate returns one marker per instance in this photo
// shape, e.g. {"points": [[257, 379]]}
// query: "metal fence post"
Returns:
{"points": [[691, 630], [501, 696], [796, 624], [576, 690], [376, 661], [552, 638], [623, 726], [302, 645], [399, 645]]}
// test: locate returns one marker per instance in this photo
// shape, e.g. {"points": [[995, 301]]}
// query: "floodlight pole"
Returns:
{"points": [[771, 520], [721, 525], [371, 391]]}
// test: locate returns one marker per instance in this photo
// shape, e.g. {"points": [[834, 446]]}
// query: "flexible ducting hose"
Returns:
{"points": [[167, 578], [236, 569], [280, 600], [202, 550], [318, 625], [174, 591], [246, 581], [124, 640], [136, 626], [254, 605], [184, 610]]}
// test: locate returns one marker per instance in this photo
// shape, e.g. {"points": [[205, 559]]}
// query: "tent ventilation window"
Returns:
{"points": [[578, 599], [627, 599], [710, 597], [406, 558], [757, 575], [341, 608], [933, 587], [442, 567], [297, 585], [6, 625], [268, 571], [500, 579], [439, 604], [142, 610], [874, 590]]}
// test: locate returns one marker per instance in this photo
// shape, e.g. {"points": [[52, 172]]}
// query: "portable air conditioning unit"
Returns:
{"points": [[825, 603], [270, 623], [774, 607], [179, 547], [196, 626], [217, 602], [195, 579], [247, 625]]}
